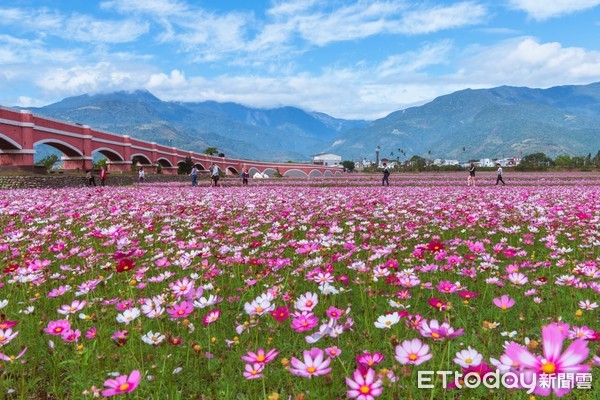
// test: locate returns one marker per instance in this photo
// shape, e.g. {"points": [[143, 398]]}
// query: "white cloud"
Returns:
{"points": [[86, 29], [433, 19], [101, 77], [413, 61], [544, 9], [525, 61]]}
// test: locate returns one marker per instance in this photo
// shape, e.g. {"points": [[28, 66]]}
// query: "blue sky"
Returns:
{"points": [[350, 59]]}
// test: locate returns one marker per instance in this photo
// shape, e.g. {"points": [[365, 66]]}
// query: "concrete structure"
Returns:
{"points": [[21, 131], [326, 159]]}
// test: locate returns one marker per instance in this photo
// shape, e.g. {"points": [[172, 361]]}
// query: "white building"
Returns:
{"points": [[440, 162], [486, 162], [326, 159]]}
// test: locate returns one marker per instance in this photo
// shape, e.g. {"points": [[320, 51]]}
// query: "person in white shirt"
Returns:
{"points": [[141, 175], [214, 175], [194, 175], [499, 178]]}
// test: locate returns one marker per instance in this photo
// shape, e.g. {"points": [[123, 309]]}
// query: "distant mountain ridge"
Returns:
{"points": [[499, 122], [281, 134]]}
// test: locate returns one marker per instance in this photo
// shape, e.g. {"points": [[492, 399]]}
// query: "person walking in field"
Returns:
{"points": [[141, 175], [90, 178], [386, 175], [471, 178], [245, 176], [499, 178], [102, 176], [194, 175], [214, 175]]}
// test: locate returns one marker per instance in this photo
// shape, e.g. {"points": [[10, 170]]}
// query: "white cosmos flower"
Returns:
{"points": [[468, 358], [386, 321], [153, 338], [128, 315]]}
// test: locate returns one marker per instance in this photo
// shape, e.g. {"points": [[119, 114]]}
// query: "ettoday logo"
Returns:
{"points": [[509, 380]]}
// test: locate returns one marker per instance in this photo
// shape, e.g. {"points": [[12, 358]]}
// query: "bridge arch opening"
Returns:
{"points": [[338, 173], [140, 159], [328, 173], [315, 173], [253, 171], [7, 143], [231, 171], [295, 173], [110, 154], [163, 162], [270, 172], [64, 147], [200, 166]]}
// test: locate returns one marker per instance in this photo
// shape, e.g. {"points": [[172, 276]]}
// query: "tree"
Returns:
{"points": [[348, 165], [186, 166], [100, 163], [211, 151], [539, 160], [48, 161], [418, 162]]}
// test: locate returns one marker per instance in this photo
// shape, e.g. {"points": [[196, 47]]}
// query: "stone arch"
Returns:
{"points": [[270, 172], [328, 173], [295, 173], [7, 143], [338, 173], [64, 147], [253, 171], [164, 162], [199, 166], [110, 154], [231, 170], [140, 159], [315, 173]]}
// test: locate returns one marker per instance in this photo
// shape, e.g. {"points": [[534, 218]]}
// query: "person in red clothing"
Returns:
{"points": [[102, 176]]}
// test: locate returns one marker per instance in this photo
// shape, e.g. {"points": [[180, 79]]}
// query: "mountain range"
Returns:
{"points": [[498, 122]]}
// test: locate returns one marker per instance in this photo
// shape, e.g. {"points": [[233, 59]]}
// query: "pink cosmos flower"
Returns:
{"points": [[554, 361], [369, 360], [253, 371], [122, 384], [91, 333], [182, 287], [76, 305], [6, 335], [281, 313], [57, 327], [313, 364], [304, 321], [446, 287], [260, 357], [4, 357], [518, 278], [434, 330], [334, 313], [306, 302], [333, 352], [438, 303], [211, 317], [412, 352], [364, 387], [71, 335], [504, 302], [181, 310]]}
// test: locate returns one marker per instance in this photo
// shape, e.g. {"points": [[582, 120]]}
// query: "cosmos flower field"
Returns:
{"points": [[299, 289]]}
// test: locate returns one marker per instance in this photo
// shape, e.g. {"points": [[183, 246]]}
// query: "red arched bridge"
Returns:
{"points": [[21, 131]]}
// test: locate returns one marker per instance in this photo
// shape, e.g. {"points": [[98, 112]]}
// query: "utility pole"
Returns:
{"points": [[377, 156]]}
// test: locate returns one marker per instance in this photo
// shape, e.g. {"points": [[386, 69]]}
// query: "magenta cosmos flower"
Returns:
{"points": [[122, 384], [364, 387], [434, 330], [504, 302], [553, 361], [314, 364], [182, 310], [412, 352]]}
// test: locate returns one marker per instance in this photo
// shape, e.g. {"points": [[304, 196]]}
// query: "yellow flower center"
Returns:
{"points": [[311, 370], [468, 361], [124, 387], [388, 323], [412, 357], [435, 335], [364, 389], [503, 307], [309, 303], [549, 368], [259, 309], [260, 358]]}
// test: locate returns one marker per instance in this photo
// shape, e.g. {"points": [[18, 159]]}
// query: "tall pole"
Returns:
{"points": [[377, 157]]}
